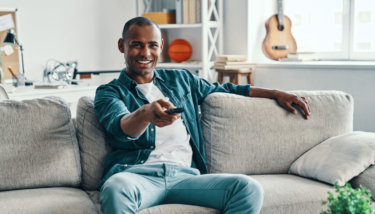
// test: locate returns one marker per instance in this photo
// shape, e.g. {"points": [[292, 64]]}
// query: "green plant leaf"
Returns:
{"points": [[348, 201]]}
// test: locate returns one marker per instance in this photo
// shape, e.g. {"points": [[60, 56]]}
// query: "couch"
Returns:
{"points": [[51, 163]]}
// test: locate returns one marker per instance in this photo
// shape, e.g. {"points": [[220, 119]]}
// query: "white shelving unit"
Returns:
{"points": [[207, 44]]}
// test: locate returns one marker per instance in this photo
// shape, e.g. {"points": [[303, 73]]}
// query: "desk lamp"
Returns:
{"points": [[10, 39]]}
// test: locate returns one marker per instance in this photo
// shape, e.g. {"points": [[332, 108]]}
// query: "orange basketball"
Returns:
{"points": [[180, 50]]}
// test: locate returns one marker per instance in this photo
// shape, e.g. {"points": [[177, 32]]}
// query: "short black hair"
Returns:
{"points": [[139, 21]]}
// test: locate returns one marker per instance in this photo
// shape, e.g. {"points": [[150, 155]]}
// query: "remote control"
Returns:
{"points": [[174, 110]]}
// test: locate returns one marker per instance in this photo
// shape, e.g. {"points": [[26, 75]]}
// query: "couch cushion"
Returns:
{"points": [[292, 194], [93, 147], [257, 136], [366, 179], [38, 145], [338, 159], [163, 209], [178, 209], [46, 201]]}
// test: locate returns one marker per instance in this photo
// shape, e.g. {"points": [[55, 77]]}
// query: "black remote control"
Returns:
{"points": [[174, 110]]}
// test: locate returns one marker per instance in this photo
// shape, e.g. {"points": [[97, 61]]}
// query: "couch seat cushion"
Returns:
{"points": [[45, 201], [162, 209], [366, 179], [285, 193], [178, 209]]}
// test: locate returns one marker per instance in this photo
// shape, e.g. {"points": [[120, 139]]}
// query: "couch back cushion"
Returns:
{"points": [[257, 136], [93, 147], [38, 145]]}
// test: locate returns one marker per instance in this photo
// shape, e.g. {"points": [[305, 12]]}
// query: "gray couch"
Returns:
{"points": [[51, 163]]}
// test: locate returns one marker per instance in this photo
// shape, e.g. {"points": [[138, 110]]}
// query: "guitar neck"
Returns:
{"points": [[280, 15]]}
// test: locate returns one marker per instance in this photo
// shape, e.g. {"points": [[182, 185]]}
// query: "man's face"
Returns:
{"points": [[141, 49]]}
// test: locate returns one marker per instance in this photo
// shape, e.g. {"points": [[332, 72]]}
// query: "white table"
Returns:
{"points": [[70, 94]]}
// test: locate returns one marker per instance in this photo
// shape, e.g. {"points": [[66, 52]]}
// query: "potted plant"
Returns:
{"points": [[349, 201]]}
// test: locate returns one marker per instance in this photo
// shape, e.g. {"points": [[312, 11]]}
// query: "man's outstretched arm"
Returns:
{"points": [[286, 100], [135, 123]]}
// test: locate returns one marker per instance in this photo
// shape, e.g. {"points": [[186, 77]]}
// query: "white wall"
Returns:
{"points": [[235, 27], [251, 15], [244, 27], [83, 30]]}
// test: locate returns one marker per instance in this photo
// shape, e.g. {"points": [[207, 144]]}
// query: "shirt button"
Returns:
{"points": [[152, 129], [151, 147], [125, 165], [142, 161]]}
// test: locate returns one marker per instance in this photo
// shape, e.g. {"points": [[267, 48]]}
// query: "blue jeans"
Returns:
{"points": [[143, 186]]}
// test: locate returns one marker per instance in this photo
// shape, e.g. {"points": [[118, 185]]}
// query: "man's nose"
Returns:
{"points": [[146, 51]]}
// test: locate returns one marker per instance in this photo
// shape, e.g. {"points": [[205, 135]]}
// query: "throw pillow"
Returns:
{"points": [[337, 159]]}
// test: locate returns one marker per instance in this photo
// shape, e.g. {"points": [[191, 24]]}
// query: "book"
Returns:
{"points": [[231, 58], [179, 10], [232, 65], [185, 11], [192, 11], [199, 12], [162, 18]]}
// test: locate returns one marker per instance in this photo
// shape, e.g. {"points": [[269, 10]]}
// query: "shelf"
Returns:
{"points": [[187, 65], [179, 26], [207, 34]]}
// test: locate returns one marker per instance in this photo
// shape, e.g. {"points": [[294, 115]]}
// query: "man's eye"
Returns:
{"points": [[154, 45], [135, 45]]}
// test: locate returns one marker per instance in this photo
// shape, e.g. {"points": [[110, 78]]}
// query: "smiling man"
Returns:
{"points": [[158, 157]]}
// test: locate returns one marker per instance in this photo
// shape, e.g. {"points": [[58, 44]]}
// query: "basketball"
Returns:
{"points": [[180, 50]]}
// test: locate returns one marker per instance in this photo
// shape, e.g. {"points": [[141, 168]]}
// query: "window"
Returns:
{"points": [[334, 29]]}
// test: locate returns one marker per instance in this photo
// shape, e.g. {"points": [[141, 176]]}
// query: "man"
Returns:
{"points": [[159, 157]]}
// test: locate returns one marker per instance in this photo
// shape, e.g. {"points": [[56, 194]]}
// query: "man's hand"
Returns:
{"points": [[135, 123], [285, 100], [157, 114]]}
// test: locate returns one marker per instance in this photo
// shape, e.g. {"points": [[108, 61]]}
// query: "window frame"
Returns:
{"points": [[352, 55], [347, 52]]}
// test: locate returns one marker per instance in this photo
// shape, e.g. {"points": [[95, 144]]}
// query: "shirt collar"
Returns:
{"points": [[157, 75], [130, 83]]}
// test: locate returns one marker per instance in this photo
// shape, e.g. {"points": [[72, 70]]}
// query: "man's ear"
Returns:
{"points": [[162, 44], [121, 45]]}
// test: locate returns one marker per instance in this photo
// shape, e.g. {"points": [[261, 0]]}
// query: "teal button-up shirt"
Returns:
{"points": [[120, 97]]}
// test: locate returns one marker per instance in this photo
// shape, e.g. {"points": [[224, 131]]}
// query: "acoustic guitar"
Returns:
{"points": [[279, 40]]}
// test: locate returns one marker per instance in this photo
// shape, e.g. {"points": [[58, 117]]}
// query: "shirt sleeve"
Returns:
{"points": [[110, 109], [204, 88]]}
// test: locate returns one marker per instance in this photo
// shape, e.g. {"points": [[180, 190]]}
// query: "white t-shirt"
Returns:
{"points": [[171, 142]]}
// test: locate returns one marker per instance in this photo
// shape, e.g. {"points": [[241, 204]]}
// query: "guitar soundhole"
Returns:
{"points": [[280, 47]]}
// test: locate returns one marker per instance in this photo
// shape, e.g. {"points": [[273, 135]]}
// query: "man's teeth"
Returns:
{"points": [[144, 62]]}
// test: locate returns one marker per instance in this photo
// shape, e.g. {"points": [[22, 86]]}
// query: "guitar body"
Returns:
{"points": [[278, 43]]}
